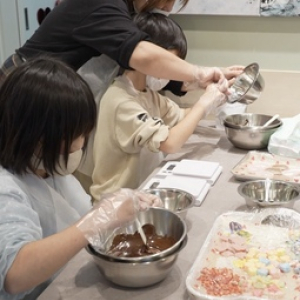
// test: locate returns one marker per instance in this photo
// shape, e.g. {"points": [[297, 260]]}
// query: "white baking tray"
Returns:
{"points": [[261, 240], [261, 165]]}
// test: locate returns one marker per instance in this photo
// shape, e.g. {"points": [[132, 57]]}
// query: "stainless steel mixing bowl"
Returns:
{"points": [[267, 193], [166, 223], [176, 200], [245, 131], [250, 120], [136, 274], [248, 86], [143, 270]]}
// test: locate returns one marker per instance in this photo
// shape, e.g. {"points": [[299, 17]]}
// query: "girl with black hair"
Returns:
{"points": [[46, 114]]}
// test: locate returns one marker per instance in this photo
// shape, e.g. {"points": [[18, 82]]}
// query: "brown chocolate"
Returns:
{"points": [[131, 245]]}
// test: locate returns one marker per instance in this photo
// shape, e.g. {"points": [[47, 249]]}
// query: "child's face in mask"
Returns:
{"points": [[74, 159]]}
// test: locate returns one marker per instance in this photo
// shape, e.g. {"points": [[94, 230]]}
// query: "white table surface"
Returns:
{"points": [[81, 279]]}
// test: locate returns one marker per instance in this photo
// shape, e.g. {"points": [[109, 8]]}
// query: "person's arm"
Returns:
{"points": [[37, 261], [150, 59], [179, 133]]}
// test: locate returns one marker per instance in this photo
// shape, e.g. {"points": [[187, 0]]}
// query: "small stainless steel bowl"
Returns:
{"points": [[175, 200], [269, 193], [248, 86], [245, 131]]}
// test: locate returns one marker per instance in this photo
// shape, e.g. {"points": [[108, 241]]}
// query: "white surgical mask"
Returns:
{"points": [[156, 84], [61, 168], [160, 11], [73, 163]]}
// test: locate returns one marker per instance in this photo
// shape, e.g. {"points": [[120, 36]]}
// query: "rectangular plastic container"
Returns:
{"points": [[249, 256]]}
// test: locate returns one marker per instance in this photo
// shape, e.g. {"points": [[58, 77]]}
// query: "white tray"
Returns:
{"points": [[258, 237], [261, 165]]}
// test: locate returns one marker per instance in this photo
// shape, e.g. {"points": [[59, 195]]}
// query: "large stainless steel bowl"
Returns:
{"points": [[175, 200], [136, 274], [267, 193], [248, 86], [245, 131], [143, 270], [250, 120]]}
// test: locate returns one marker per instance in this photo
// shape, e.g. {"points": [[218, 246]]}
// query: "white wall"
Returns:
{"points": [[273, 42], [9, 28]]}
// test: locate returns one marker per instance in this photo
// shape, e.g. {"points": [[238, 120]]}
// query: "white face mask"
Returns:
{"points": [[160, 11], [61, 169], [156, 84], [73, 163]]}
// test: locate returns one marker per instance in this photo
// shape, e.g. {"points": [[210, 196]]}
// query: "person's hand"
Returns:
{"points": [[212, 98], [113, 211], [232, 72], [203, 76]]}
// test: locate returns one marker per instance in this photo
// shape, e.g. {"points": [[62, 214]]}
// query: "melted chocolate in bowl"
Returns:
{"points": [[131, 245]]}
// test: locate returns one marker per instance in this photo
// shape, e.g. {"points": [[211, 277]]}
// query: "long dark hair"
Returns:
{"points": [[43, 104]]}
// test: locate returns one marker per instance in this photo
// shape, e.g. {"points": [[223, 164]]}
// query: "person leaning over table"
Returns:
{"points": [[46, 114], [75, 31], [136, 123]]}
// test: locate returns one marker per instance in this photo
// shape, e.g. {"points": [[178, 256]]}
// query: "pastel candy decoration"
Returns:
{"points": [[285, 267], [264, 260], [262, 272]]}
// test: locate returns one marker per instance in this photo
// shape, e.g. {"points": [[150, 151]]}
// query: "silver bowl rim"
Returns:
{"points": [[257, 75], [287, 183], [144, 259], [151, 257], [257, 128], [176, 190]]}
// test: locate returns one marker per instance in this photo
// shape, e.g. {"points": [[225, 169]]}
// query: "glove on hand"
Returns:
{"points": [[203, 76], [212, 98], [112, 211]]}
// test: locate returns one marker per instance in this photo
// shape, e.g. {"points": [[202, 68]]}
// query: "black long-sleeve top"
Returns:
{"points": [[77, 30]]}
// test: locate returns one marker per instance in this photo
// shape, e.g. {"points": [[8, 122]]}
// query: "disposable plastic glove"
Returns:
{"points": [[203, 76], [232, 72], [212, 98], [112, 211]]}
